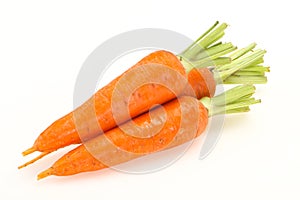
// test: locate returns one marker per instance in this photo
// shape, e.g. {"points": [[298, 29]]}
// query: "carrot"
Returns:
{"points": [[181, 73], [185, 118], [143, 99]]}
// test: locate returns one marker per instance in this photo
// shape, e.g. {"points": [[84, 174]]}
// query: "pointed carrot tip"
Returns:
{"points": [[44, 174], [22, 166], [29, 151], [33, 160]]}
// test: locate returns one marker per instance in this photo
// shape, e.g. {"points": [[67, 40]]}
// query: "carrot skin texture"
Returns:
{"points": [[202, 81], [103, 147]]}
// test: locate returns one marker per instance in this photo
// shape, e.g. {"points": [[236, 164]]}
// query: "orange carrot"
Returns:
{"points": [[64, 132], [175, 123], [129, 147]]}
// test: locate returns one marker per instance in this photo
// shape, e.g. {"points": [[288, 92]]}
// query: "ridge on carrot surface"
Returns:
{"points": [[115, 146]]}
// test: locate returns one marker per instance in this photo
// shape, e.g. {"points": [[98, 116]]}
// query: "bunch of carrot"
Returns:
{"points": [[184, 84]]}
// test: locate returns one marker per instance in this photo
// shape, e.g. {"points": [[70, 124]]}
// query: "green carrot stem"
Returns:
{"points": [[199, 63], [247, 97], [249, 73], [207, 51], [239, 55], [234, 94], [251, 57], [240, 64], [242, 51], [216, 62], [221, 61], [211, 36], [238, 110], [240, 67], [213, 50], [246, 80], [235, 100], [212, 40], [215, 59], [194, 45], [256, 68], [258, 61], [242, 104]]}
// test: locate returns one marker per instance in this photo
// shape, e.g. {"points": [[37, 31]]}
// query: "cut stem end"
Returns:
{"points": [[235, 100]]}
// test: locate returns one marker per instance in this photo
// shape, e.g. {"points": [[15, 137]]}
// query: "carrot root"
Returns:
{"points": [[94, 154], [29, 151], [44, 174], [33, 160]]}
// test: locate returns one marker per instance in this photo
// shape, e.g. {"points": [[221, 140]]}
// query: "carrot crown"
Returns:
{"points": [[235, 100], [230, 66], [246, 67], [207, 50]]}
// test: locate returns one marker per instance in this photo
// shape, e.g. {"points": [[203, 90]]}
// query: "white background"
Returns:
{"points": [[43, 45]]}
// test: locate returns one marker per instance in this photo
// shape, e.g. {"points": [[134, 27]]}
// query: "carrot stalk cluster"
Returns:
{"points": [[184, 84]]}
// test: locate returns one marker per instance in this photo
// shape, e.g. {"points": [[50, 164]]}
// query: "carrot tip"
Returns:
{"points": [[29, 151], [45, 174], [33, 160], [22, 166]]}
